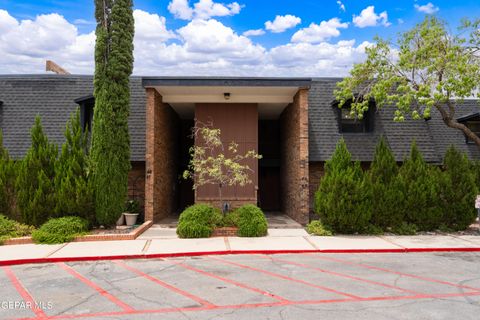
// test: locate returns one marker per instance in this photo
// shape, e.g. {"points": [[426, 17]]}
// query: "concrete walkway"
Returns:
{"points": [[164, 242]]}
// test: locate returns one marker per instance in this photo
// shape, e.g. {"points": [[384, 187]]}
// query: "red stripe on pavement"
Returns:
{"points": [[199, 300], [343, 275], [286, 278], [341, 261], [261, 305], [24, 293], [96, 287], [238, 284]]}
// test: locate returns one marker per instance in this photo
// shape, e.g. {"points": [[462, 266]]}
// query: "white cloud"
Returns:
{"points": [[282, 23], [150, 27], [83, 22], [202, 47], [203, 9], [428, 8], [341, 6], [368, 18], [180, 9], [254, 32], [316, 33]]}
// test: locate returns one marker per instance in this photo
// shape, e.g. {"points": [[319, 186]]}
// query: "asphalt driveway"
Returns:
{"points": [[286, 286]]}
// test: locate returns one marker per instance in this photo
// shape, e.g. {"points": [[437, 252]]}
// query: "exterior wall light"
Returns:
{"points": [[226, 95]]}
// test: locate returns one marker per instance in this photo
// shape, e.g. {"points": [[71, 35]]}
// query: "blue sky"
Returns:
{"points": [[308, 37]]}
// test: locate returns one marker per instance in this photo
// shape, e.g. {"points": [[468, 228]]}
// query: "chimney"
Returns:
{"points": [[52, 66]]}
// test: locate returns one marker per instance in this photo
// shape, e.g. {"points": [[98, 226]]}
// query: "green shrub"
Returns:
{"points": [[251, 221], [7, 182], [385, 188], [35, 178], [230, 219], [404, 228], [60, 230], [13, 229], [419, 183], [73, 196], [458, 191], [344, 197], [198, 221], [132, 206], [317, 228]]}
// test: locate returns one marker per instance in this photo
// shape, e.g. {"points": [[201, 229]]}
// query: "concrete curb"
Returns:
{"points": [[227, 252]]}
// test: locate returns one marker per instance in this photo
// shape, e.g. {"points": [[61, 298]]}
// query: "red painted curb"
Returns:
{"points": [[227, 252]]}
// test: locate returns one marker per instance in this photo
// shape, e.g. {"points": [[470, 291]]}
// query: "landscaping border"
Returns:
{"points": [[93, 237]]}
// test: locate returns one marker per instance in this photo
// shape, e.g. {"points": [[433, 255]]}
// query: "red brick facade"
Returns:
{"points": [[160, 160], [294, 162]]}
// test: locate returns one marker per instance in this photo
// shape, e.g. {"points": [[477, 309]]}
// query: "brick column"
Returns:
{"points": [[160, 157], [294, 170]]}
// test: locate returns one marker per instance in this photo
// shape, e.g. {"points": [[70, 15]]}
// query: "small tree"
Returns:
{"points": [[458, 190], [7, 182], [344, 198], [426, 68], [209, 163], [72, 194], [385, 188], [419, 184], [35, 179]]}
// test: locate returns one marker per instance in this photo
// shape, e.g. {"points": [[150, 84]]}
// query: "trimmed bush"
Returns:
{"points": [[419, 183], [13, 229], [317, 228], [344, 197], [251, 221], [35, 178], [7, 182], [385, 188], [198, 221], [60, 230], [72, 194], [230, 219], [458, 190]]}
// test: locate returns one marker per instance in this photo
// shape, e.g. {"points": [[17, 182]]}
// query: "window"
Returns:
{"points": [[351, 124], [86, 111], [472, 121], [473, 125]]}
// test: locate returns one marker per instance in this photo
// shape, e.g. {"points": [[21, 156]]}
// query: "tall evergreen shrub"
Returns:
{"points": [[72, 193], [35, 178], [385, 188], [420, 185], [7, 182], [344, 198], [458, 190], [110, 153]]}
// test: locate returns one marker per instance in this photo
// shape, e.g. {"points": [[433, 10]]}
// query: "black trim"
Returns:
{"points": [[226, 82]]}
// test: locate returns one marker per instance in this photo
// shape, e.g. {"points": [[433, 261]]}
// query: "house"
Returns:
{"points": [[293, 122]]}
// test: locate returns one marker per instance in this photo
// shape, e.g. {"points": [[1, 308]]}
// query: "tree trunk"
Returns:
{"points": [[453, 123]]}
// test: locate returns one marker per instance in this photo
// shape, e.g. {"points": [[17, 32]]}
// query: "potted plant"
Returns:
{"points": [[131, 212]]}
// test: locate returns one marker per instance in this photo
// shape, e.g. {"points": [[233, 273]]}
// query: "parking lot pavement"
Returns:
{"points": [[283, 286]]}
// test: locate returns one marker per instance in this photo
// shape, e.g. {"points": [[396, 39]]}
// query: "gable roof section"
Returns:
{"points": [[53, 97]]}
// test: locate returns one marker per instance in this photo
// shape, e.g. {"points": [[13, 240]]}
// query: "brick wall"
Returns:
{"points": [[161, 160], [294, 158], [136, 182]]}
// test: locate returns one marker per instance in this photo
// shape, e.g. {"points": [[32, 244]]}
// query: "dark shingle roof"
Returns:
{"points": [[432, 137], [52, 96]]}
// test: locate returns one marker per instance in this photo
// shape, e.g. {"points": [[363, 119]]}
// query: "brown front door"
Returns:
{"points": [[269, 188]]}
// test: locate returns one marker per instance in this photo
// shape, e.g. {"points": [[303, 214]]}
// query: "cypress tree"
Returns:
{"points": [[7, 182], [343, 200], [458, 191], [72, 193], [420, 186], [385, 187], [110, 152], [35, 178]]}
